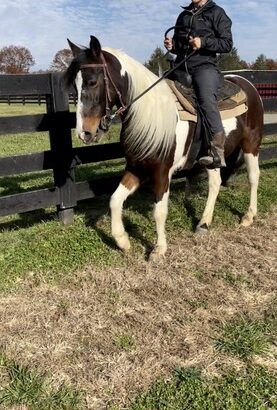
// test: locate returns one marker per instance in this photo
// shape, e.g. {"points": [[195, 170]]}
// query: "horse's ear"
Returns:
{"points": [[75, 49], [95, 46]]}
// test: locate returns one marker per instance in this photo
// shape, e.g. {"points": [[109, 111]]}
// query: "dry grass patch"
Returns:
{"points": [[113, 333]]}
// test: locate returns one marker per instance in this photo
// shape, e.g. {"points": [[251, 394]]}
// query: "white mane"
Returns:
{"points": [[151, 121]]}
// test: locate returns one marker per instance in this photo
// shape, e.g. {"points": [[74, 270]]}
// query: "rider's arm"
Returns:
{"points": [[222, 42]]}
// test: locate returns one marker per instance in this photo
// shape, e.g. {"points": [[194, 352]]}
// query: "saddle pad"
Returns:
{"points": [[187, 100], [225, 115]]}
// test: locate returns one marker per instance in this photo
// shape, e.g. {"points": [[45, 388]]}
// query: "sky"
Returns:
{"points": [[134, 26]]}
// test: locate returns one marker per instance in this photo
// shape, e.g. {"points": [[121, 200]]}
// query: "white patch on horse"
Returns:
{"points": [[229, 125], [79, 109], [151, 120], [182, 130]]}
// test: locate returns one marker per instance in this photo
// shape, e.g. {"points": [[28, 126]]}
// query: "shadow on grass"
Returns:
{"points": [[28, 219]]}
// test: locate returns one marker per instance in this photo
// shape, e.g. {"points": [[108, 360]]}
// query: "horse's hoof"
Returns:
{"points": [[157, 254], [246, 221], [123, 242], [202, 229]]}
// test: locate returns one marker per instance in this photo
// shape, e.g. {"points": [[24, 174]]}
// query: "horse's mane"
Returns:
{"points": [[149, 128]]}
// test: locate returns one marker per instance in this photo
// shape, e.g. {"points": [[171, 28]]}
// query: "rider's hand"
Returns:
{"points": [[195, 42], [168, 43]]}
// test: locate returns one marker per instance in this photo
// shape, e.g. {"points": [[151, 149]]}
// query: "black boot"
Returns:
{"points": [[215, 157]]}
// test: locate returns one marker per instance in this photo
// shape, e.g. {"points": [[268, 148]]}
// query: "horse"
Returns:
{"points": [[156, 143]]}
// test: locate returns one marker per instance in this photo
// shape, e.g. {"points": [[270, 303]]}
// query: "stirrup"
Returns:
{"points": [[213, 160]]}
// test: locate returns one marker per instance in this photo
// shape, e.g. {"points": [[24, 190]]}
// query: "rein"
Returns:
{"points": [[107, 77]]}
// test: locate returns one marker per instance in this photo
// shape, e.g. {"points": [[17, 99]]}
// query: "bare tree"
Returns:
{"points": [[15, 60], [61, 60]]}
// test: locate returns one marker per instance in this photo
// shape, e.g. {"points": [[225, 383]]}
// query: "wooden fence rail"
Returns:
{"points": [[62, 158]]}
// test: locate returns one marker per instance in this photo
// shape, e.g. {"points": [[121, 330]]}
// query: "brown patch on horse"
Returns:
{"points": [[250, 124], [90, 124], [129, 180]]}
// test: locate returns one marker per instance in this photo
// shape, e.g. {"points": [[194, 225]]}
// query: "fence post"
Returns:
{"points": [[61, 147]]}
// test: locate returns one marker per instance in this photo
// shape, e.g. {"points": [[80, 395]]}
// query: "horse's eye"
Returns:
{"points": [[92, 83]]}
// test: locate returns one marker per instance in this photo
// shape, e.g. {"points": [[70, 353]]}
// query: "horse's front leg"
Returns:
{"points": [[214, 180], [127, 186]]}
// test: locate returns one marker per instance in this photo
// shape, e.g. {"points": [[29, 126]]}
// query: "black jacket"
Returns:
{"points": [[212, 25]]}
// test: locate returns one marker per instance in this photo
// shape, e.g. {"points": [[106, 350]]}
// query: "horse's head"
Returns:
{"points": [[88, 73]]}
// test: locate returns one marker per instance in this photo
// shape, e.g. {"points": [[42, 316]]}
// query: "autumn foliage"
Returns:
{"points": [[15, 60]]}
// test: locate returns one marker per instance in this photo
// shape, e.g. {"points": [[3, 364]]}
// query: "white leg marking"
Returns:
{"points": [[160, 215], [252, 165], [214, 187], [116, 205]]}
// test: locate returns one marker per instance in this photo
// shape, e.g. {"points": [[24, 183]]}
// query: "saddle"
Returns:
{"points": [[231, 100]]}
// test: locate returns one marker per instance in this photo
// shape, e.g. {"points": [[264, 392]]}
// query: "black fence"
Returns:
{"points": [[62, 158]]}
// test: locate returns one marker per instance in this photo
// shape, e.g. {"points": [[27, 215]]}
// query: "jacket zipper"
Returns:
{"points": [[190, 26]]}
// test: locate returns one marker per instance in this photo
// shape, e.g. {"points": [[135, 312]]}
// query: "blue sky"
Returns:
{"points": [[135, 26]]}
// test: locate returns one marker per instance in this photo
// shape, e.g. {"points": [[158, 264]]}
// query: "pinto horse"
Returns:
{"points": [[155, 141]]}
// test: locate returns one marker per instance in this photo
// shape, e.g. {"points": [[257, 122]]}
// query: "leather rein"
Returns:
{"points": [[107, 119]]}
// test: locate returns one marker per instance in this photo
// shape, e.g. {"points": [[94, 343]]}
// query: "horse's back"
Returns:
{"points": [[255, 113]]}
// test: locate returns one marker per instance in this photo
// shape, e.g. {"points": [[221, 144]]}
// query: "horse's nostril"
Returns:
{"points": [[87, 133]]}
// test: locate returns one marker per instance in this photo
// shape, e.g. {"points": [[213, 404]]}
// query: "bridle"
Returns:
{"points": [[108, 78]]}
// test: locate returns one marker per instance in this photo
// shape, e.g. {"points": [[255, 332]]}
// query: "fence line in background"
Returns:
{"points": [[62, 158]]}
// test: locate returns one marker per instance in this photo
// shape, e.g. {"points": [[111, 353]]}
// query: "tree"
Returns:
{"points": [[15, 60], [231, 61], [271, 64], [263, 63], [156, 61], [61, 60], [260, 63]]}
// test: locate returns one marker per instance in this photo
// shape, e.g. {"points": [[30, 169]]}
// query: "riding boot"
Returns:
{"points": [[215, 157]]}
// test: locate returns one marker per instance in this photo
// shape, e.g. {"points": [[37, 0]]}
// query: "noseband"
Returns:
{"points": [[107, 78]]}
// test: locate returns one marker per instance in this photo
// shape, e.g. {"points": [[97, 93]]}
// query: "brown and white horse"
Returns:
{"points": [[155, 141]]}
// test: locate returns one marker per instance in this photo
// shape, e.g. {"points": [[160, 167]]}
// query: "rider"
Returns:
{"points": [[205, 28]]}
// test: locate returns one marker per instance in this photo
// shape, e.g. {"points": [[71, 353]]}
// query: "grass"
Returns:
{"points": [[25, 387], [245, 338], [114, 323], [254, 389]]}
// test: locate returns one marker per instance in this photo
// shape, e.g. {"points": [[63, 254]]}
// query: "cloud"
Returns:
{"points": [[135, 26]]}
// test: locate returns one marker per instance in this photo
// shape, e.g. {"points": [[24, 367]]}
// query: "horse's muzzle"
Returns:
{"points": [[88, 138]]}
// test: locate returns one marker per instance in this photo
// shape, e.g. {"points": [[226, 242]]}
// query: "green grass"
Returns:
{"points": [[36, 244], [253, 389], [22, 386], [245, 338]]}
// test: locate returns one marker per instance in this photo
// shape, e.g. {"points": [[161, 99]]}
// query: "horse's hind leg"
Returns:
{"points": [[253, 170], [127, 186], [214, 187], [161, 190], [160, 216]]}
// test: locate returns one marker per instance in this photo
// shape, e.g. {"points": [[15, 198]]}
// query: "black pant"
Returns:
{"points": [[206, 82]]}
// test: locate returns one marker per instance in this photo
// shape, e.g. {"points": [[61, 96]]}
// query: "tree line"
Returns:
{"points": [[19, 60]]}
